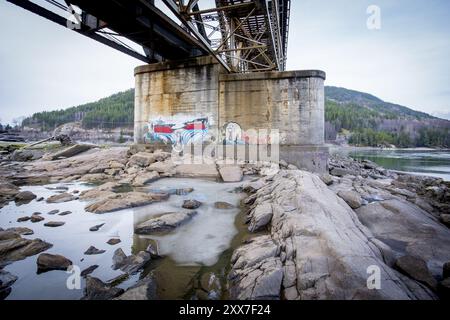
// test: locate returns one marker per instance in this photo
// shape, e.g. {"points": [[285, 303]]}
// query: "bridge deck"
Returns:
{"points": [[243, 35]]}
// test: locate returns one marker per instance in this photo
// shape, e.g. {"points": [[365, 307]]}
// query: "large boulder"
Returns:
{"points": [[165, 222], [61, 197], [142, 159], [47, 262], [25, 196]]}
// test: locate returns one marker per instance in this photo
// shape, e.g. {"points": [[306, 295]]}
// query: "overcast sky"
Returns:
{"points": [[44, 66]]}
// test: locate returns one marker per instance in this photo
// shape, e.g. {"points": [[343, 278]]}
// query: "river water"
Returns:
{"points": [[434, 163], [196, 251]]}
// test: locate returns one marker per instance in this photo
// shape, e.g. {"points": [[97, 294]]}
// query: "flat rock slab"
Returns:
{"points": [[15, 248], [231, 174], [21, 230], [54, 224], [197, 171], [71, 151], [165, 222], [120, 201], [64, 213], [60, 198]]}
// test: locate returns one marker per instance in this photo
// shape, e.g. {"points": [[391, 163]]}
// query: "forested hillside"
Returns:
{"points": [[361, 118], [369, 121], [107, 113]]}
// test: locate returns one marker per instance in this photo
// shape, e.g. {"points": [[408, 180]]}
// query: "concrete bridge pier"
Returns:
{"points": [[195, 100]]}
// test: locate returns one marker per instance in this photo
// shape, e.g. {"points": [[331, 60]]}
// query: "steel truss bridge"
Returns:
{"points": [[243, 35]]}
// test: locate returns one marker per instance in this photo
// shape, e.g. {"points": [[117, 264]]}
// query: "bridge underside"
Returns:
{"points": [[242, 35]]}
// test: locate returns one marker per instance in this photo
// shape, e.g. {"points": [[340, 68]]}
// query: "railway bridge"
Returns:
{"points": [[214, 71]]}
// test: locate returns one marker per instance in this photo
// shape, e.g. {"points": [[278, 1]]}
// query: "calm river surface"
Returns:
{"points": [[423, 162]]}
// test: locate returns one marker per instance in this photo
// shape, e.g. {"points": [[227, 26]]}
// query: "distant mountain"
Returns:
{"points": [[346, 96], [362, 119], [351, 116], [442, 115]]}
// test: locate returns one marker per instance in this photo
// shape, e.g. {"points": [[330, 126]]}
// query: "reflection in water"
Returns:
{"points": [[199, 248], [423, 162], [202, 246]]}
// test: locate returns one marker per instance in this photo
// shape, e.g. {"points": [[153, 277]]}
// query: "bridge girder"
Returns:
{"points": [[243, 35]]}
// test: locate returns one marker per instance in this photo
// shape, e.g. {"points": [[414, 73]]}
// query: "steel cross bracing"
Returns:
{"points": [[243, 35]]}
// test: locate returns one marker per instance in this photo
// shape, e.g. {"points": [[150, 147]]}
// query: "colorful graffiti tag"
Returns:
{"points": [[178, 132]]}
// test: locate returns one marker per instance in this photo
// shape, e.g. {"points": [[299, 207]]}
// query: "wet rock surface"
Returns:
{"points": [[47, 262], [98, 290], [132, 263], [54, 224], [191, 204], [13, 247]]}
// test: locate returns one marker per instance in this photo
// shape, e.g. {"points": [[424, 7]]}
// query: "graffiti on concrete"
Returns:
{"points": [[178, 131], [233, 134]]}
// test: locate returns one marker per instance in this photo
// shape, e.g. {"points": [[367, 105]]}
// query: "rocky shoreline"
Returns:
{"points": [[325, 232], [316, 237]]}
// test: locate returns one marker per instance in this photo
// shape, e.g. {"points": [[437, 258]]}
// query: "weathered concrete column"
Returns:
{"points": [[179, 102], [170, 94]]}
